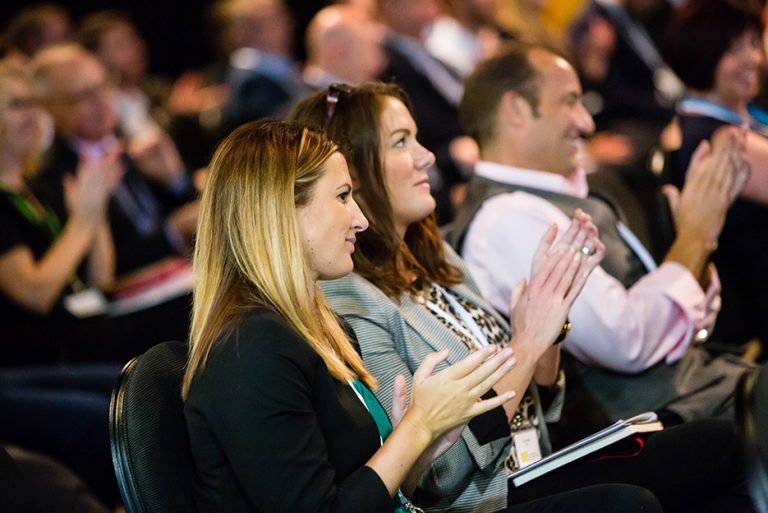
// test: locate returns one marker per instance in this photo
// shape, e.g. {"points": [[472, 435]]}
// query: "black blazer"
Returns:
{"points": [[272, 431]]}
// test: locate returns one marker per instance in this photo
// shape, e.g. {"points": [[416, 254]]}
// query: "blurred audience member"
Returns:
{"points": [[114, 39], [532, 20], [466, 32], [33, 29], [33, 483], [47, 260], [262, 77], [715, 46], [435, 90], [151, 214], [343, 45], [629, 89], [47, 314]]}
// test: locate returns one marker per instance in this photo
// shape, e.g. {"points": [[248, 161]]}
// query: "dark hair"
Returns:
{"points": [[509, 70], [381, 257], [26, 31], [701, 32], [93, 27]]}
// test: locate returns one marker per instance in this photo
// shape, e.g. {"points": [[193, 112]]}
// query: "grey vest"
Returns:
{"points": [[620, 260], [697, 386]]}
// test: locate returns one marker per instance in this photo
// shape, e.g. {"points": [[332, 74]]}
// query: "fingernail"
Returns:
{"points": [[510, 394], [507, 352], [510, 363]]}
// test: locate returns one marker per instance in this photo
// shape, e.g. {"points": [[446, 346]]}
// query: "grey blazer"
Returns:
{"points": [[395, 339]]}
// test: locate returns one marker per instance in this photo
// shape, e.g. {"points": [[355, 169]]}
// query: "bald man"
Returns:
{"points": [[343, 45]]}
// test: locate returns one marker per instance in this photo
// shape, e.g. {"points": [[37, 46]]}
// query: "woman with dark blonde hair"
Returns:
{"points": [[411, 295]]}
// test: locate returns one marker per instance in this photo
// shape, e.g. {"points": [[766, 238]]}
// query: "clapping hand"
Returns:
{"points": [[156, 156], [87, 193], [715, 177], [559, 272]]}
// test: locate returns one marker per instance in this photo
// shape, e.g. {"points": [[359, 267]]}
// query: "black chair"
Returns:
{"points": [[752, 422], [148, 435]]}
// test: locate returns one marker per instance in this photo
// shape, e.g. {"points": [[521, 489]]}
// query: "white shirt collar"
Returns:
{"points": [[574, 185]]}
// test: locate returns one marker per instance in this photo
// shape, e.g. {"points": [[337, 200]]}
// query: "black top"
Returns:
{"points": [[29, 338], [742, 255], [271, 430]]}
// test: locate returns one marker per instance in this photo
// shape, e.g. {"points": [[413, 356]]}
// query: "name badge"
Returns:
{"points": [[526, 447], [86, 303]]}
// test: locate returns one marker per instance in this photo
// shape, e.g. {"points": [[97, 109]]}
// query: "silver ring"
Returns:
{"points": [[586, 251]]}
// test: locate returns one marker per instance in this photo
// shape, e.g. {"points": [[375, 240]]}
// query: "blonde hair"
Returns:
{"points": [[32, 161], [249, 252]]}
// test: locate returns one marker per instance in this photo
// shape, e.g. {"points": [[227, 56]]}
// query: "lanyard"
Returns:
{"points": [[699, 106], [471, 331], [50, 223], [402, 503]]}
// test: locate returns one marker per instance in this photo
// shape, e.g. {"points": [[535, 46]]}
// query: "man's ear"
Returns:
{"points": [[514, 110]]}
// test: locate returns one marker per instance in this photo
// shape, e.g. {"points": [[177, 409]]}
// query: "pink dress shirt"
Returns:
{"points": [[625, 330]]}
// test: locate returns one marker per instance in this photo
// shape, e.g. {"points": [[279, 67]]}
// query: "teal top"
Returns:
{"points": [[383, 425]]}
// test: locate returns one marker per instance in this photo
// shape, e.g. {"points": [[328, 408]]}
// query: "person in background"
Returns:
{"points": [[716, 49], [261, 75], [49, 402], [466, 32], [33, 29], [343, 45], [139, 99], [152, 213]]}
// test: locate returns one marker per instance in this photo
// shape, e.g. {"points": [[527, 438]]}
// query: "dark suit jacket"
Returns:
{"points": [[132, 248], [272, 431]]}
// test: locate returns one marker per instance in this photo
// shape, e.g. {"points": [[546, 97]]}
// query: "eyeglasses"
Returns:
{"points": [[86, 94], [332, 99], [20, 103]]}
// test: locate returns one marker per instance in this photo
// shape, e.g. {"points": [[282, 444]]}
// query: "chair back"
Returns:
{"points": [[752, 423], [148, 434]]}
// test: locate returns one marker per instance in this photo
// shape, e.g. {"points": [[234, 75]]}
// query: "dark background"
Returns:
{"points": [[177, 34]]}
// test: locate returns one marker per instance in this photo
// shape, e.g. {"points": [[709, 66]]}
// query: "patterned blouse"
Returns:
{"points": [[525, 417]]}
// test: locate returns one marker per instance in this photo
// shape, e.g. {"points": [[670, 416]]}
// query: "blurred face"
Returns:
{"points": [[122, 51], [19, 118], [555, 131], [737, 72], [330, 221], [80, 99], [410, 17], [404, 163], [55, 31], [363, 57]]}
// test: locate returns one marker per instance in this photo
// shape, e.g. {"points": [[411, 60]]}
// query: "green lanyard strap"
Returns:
{"points": [[47, 222]]}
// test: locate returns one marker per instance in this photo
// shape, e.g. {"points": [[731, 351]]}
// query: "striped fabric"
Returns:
{"points": [[395, 339]]}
